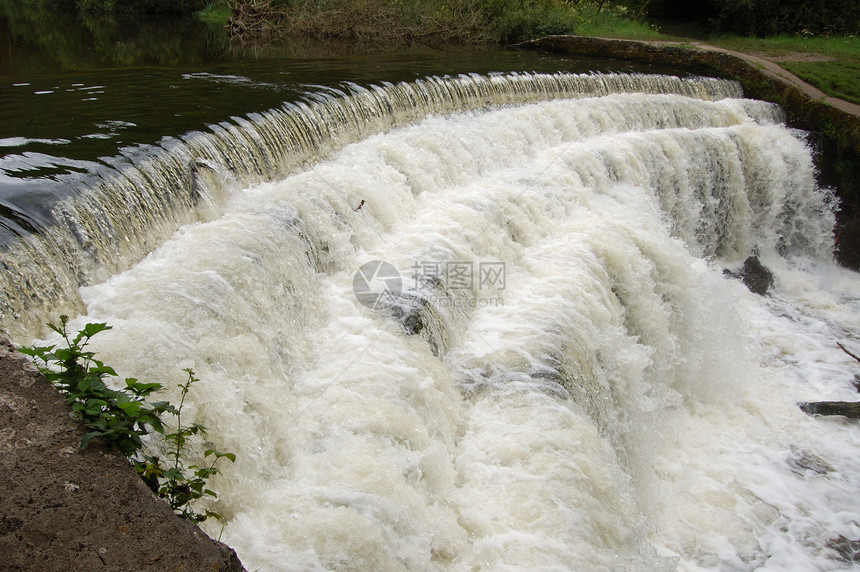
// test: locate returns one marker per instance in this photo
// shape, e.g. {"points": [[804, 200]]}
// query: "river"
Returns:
{"points": [[455, 311]]}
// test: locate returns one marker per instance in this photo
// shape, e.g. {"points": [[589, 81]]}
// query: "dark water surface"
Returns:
{"points": [[78, 93]]}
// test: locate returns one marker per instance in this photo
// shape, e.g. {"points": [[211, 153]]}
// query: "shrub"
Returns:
{"points": [[123, 416]]}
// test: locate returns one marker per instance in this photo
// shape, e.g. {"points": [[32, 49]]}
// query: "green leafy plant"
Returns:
{"points": [[123, 416], [174, 484], [119, 416]]}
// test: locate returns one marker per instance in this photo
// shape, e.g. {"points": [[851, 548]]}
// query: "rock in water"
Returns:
{"points": [[754, 274], [850, 409]]}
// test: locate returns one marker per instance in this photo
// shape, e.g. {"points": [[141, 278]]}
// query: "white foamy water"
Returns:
{"points": [[563, 379]]}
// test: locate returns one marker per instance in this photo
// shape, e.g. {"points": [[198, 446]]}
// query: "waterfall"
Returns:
{"points": [[482, 323], [112, 220]]}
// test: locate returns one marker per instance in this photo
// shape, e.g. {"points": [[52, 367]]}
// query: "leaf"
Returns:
{"points": [[62, 328], [155, 422], [102, 370], [177, 438], [65, 354], [129, 445], [142, 389], [86, 439], [173, 474], [93, 407], [196, 428], [36, 351], [163, 407], [220, 455], [92, 329], [131, 408]]}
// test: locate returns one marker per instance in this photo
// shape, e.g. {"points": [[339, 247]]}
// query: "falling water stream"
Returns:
{"points": [[481, 323]]}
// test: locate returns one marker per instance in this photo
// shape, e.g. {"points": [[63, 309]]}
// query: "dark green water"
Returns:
{"points": [[77, 94]]}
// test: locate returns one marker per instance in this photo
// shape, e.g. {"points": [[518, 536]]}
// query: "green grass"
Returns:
{"points": [[614, 21], [836, 76], [838, 47], [215, 12], [836, 79]]}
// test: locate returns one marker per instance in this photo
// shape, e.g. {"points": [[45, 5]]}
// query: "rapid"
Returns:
{"points": [[482, 323]]}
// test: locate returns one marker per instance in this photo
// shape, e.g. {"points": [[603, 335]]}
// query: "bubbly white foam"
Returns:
{"points": [[615, 404]]}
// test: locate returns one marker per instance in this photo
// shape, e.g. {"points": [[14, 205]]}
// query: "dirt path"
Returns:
{"points": [[683, 53], [772, 69]]}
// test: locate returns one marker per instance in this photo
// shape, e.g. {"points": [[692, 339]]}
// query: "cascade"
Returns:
{"points": [[482, 323], [114, 218]]}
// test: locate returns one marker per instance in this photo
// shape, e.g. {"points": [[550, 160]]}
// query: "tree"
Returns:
{"points": [[765, 17]]}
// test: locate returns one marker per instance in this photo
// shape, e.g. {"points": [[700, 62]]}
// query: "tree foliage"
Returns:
{"points": [[126, 6], [765, 17], [422, 21]]}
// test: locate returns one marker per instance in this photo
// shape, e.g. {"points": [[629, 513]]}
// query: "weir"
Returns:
{"points": [[113, 220], [482, 322]]}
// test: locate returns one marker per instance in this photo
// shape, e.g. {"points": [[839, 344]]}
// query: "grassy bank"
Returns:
{"points": [[614, 20], [426, 21], [831, 64]]}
